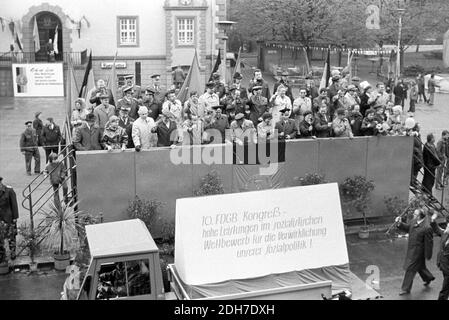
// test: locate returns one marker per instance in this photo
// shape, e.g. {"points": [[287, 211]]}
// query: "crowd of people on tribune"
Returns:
{"points": [[154, 117]]}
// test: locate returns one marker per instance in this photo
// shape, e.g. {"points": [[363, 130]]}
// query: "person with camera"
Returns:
{"points": [[101, 90], [419, 248]]}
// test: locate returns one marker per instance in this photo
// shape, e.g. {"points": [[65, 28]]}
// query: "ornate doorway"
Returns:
{"points": [[46, 24]]}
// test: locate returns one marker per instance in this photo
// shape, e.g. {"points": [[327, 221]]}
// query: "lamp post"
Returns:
{"points": [[225, 26], [398, 62]]}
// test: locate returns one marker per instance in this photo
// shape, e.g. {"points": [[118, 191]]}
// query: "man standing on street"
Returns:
{"points": [[419, 248], [51, 137], [29, 148], [431, 163], [431, 85], [443, 254], [9, 213]]}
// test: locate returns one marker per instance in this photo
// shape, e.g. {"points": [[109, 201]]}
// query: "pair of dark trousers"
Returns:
{"points": [[49, 150], [428, 180], [425, 274], [30, 154], [444, 293], [65, 190]]}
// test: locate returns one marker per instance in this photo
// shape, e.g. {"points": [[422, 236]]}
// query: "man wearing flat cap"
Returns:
{"points": [[51, 137], [238, 86], [128, 101], [29, 148], [258, 105], [286, 127], [283, 81], [9, 213], [38, 125], [88, 137], [242, 130], [159, 90], [126, 122], [154, 108], [258, 80], [104, 111]]}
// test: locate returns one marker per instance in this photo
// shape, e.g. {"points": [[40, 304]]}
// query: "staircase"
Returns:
{"points": [[39, 192]]}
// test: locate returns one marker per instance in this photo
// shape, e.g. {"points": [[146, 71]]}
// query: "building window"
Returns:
{"points": [[128, 31], [186, 31]]}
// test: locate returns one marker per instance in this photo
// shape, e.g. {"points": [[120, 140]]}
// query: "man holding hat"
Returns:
{"points": [[258, 105], [104, 111], [51, 137], [209, 98], [29, 148], [286, 127], [9, 213], [283, 81], [242, 130], [142, 135], [128, 101], [238, 86]]}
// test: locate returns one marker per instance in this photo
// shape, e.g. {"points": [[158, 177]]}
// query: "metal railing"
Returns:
{"points": [[8, 58]]}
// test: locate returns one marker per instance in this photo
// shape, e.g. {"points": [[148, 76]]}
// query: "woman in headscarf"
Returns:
{"points": [[114, 136]]}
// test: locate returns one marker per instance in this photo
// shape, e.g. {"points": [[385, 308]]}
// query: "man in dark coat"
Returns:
{"points": [[258, 81], [9, 213], [38, 125], [88, 137], [417, 161], [149, 101], [443, 254], [101, 90], [128, 101], [323, 123], [166, 130], [238, 85], [126, 123], [51, 137], [286, 127], [29, 148], [431, 162], [400, 93], [419, 248]]}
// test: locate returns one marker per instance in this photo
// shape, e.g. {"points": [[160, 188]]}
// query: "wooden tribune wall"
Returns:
{"points": [[107, 181]]}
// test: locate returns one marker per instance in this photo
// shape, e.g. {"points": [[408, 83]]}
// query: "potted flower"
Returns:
{"points": [[61, 227], [356, 193], [4, 267], [211, 184], [29, 240]]}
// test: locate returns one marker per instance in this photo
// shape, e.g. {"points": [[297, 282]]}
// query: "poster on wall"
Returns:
{"points": [[38, 80], [254, 234]]}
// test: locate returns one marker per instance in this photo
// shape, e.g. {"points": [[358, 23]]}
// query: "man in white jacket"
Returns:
{"points": [[142, 136]]}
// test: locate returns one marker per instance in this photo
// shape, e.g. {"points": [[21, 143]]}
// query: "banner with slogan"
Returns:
{"points": [[38, 80], [254, 234]]}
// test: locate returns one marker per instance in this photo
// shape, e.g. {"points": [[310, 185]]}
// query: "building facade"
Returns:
{"points": [[148, 36]]}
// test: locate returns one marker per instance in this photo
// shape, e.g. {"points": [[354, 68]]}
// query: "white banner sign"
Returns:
{"points": [[254, 234], [38, 80]]}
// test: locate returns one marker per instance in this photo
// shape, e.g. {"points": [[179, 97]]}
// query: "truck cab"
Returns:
{"points": [[124, 263]]}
